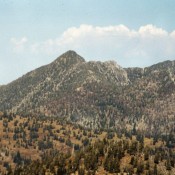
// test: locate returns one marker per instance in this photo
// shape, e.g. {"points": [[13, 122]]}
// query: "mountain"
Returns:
{"points": [[97, 94]]}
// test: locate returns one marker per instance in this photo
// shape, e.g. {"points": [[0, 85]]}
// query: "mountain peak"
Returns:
{"points": [[70, 53], [70, 57], [96, 94]]}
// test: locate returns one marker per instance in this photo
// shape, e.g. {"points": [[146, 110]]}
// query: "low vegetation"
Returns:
{"points": [[44, 145]]}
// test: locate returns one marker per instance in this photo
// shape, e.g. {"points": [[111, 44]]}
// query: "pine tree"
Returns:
{"points": [[168, 165], [155, 169]]}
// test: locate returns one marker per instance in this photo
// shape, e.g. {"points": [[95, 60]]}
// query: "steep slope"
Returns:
{"points": [[97, 94], [151, 97], [68, 74]]}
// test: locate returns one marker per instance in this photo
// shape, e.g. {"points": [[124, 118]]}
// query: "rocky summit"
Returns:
{"points": [[97, 94]]}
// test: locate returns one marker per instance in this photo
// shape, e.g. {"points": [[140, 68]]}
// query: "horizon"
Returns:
{"points": [[85, 61], [34, 33]]}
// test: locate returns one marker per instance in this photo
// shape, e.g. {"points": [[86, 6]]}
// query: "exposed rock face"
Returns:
{"points": [[97, 94]]}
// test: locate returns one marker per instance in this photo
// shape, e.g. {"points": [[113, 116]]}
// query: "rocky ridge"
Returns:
{"points": [[97, 94]]}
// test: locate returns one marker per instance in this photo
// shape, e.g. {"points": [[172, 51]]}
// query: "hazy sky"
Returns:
{"points": [[131, 32]]}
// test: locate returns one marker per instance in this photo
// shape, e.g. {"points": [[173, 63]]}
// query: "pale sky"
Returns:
{"points": [[131, 32]]}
